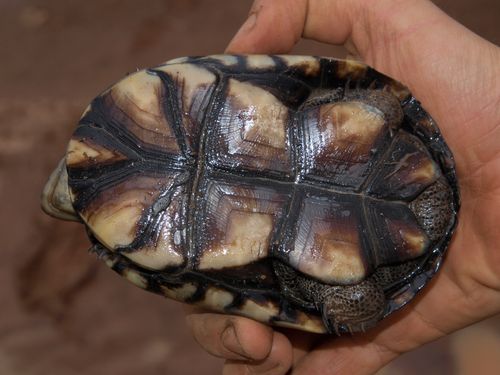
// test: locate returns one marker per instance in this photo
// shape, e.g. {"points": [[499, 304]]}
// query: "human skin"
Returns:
{"points": [[455, 74]]}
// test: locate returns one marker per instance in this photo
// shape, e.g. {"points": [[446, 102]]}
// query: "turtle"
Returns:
{"points": [[300, 191]]}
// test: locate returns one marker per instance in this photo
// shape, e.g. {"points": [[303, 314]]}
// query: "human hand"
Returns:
{"points": [[456, 76]]}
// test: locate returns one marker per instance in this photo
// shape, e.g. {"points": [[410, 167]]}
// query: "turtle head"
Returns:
{"points": [[56, 199]]}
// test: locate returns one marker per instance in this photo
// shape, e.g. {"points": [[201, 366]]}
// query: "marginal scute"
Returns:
{"points": [[262, 311], [181, 293], [110, 262], [216, 299], [399, 90], [303, 321], [259, 61], [135, 278], [351, 69], [308, 64], [227, 60]]}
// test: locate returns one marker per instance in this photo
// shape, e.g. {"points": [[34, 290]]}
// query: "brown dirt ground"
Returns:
{"points": [[62, 311]]}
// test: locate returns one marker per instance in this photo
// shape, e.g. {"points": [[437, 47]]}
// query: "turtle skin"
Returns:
{"points": [[300, 191]]}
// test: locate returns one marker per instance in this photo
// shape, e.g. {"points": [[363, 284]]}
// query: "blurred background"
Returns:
{"points": [[62, 311]]}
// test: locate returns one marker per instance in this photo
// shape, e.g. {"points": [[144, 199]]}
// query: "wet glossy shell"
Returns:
{"points": [[193, 175]]}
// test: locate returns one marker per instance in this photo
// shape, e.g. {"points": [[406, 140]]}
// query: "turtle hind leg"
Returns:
{"points": [[343, 307], [354, 308], [433, 209], [291, 285]]}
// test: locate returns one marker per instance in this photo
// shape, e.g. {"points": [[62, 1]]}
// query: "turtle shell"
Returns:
{"points": [[197, 177]]}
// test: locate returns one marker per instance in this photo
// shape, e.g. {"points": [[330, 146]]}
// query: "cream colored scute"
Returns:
{"points": [[156, 258], [351, 121], [227, 60], [417, 242], [352, 68], [190, 79], [113, 214], [263, 311], [138, 95], [80, 151], [309, 63], [216, 299], [110, 262], [163, 254], [427, 171], [414, 240], [304, 322], [246, 240], [262, 115], [327, 245], [114, 225], [259, 61], [181, 293], [337, 261], [135, 278]]}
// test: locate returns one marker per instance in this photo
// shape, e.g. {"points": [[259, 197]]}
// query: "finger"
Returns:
{"points": [[276, 26], [437, 311], [278, 362], [271, 27], [302, 342], [347, 355], [231, 337], [363, 354]]}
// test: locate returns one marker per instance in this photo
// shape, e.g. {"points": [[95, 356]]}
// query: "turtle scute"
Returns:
{"points": [[300, 191]]}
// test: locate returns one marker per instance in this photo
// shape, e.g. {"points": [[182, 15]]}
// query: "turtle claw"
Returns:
{"points": [[332, 324]]}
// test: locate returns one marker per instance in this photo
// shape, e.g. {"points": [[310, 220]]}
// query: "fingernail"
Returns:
{"points": [[230, 341]]}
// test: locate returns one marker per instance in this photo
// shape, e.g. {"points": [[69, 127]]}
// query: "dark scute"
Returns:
{"points": [[389, 222], [395, 178], [289, 91]]}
